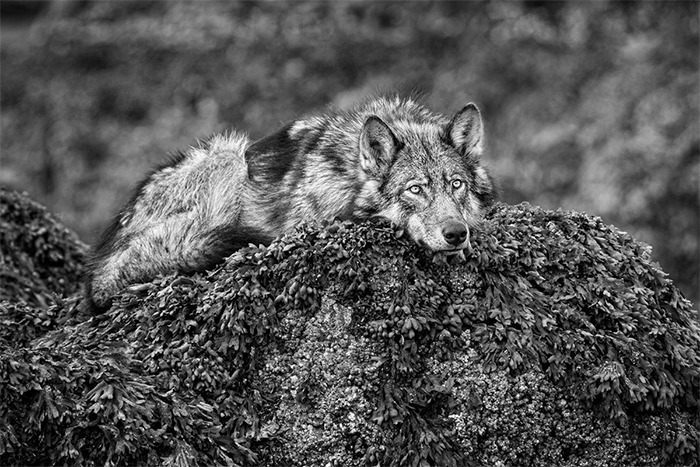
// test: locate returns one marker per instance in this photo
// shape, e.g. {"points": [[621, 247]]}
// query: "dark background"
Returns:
{"points": [[589, 106]]}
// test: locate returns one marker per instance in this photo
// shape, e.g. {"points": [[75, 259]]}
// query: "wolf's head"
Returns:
{"points": [[429, 176]]}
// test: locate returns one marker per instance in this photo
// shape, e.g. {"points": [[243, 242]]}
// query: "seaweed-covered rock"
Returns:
{"points": [[39, 258], [558, 342]]}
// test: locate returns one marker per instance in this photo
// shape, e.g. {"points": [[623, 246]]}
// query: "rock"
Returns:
{"points": [[558, 342]]}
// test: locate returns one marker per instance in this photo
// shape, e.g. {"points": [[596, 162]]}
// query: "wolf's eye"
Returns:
{"points": [[415, 189], [456, 184]]}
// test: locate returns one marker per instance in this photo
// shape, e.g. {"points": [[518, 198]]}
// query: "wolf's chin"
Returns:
{"points": [[456, 252], [455, 256]]}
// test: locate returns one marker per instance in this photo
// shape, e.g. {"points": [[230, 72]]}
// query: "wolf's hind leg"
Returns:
{"points": [[174, 245]]}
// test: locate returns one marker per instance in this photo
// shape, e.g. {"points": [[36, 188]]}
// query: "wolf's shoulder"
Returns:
{"points": [[388, 108], [398, 109]]}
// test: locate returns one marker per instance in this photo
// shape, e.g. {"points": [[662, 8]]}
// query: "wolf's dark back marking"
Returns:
{"points": [[270, 158], [309, 140], [273, 157]]}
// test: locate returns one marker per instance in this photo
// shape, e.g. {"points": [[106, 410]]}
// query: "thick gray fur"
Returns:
{"points": [[389, 158]]}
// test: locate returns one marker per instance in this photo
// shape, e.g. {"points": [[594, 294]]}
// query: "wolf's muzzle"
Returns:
{"points": [[455, 233]]}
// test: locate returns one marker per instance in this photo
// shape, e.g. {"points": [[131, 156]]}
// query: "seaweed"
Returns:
{"points": [[557, 342]]}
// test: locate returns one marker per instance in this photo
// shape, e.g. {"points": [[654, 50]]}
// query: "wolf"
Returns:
{"points": [[389, 158]]}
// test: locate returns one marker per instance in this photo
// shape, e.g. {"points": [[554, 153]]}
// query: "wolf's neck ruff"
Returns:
{"points": [[390, 158]]}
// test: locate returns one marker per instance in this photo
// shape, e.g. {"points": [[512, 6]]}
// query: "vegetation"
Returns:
{"points": [[591, 106], [558, 342], [40, 258]]}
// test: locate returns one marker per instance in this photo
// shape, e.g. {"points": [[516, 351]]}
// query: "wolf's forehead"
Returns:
{"points": [[426, 149], [428, 164], [412, 130]]}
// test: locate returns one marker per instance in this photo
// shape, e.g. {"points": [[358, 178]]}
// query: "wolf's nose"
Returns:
{"points": [[455, 233]]}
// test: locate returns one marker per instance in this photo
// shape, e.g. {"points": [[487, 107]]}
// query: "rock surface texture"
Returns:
{"points": [[558, 342]]}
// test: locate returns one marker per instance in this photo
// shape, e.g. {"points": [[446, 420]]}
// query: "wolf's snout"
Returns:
{"points": [[455, 233]]}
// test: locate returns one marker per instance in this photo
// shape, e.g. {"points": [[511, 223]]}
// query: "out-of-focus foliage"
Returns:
{"points": [[592, 106], [557, 343]]}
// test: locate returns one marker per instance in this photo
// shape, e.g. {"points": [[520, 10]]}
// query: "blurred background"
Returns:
{"points": [[589, 106]]}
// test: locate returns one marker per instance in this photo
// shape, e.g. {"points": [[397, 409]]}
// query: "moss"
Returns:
{"points": [[557, 343]]}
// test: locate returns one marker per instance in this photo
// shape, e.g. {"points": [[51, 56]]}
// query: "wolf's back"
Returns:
{"points": [[186, 215]]}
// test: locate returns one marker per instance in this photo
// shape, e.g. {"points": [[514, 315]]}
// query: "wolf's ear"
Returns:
{"points": [[378, 146], [466, 131]]}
